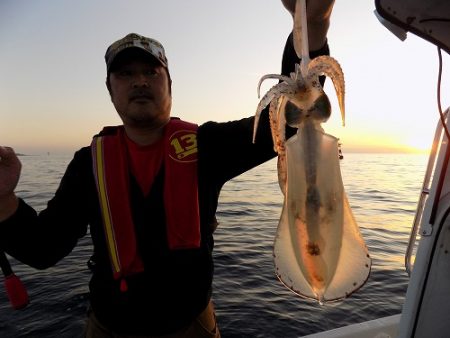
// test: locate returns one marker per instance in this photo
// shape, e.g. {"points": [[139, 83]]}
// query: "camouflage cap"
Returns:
{"points": [[134, 40]]}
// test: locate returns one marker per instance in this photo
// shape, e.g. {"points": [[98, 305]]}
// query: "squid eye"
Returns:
{"points": [[322, 108], [293, 114]]}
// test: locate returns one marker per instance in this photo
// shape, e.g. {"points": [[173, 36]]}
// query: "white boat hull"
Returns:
{"points": [[386, 327]]}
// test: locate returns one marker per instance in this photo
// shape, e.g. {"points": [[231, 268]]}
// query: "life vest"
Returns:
{"points": [[111, 172]]}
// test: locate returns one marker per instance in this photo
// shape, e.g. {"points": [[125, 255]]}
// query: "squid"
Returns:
{"points": [[319, 252]]}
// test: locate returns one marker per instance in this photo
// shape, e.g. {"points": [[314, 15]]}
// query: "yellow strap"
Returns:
{"points": [[104, 206]]}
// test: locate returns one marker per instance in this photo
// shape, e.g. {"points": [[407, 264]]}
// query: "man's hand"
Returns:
{"points": [[10, 167], [318, 13]]}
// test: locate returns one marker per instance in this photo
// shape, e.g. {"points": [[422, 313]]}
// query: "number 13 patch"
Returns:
{"points": [[183, 146]]}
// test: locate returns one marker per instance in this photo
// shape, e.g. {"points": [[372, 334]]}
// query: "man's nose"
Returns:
{"points": [[140, 80]]}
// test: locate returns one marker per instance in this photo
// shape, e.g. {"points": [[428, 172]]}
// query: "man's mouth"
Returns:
{"points": [[140, 97]]}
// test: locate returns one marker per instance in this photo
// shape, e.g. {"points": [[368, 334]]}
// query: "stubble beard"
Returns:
{"points": [[147, 119]]}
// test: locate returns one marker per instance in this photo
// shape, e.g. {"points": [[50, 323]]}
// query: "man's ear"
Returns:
{"points": [[108, 85]]}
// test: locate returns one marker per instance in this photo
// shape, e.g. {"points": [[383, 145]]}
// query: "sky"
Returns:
{"points": [[52, 72]]}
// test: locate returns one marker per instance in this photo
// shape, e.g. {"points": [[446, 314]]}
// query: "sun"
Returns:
{"points": [[419, 144]]}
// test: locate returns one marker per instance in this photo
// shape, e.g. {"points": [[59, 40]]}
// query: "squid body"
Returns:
{"points": [[319, 252]]}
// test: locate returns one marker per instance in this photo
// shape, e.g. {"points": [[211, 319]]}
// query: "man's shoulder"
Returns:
{"points": [[83, 155], [83, 151]]}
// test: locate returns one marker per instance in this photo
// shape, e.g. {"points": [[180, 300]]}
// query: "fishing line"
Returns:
{"points": [[441, 114], [447, 152]]}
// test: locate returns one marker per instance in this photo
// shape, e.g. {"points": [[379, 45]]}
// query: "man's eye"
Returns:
{"points": [[124, 73], [151, 72]]}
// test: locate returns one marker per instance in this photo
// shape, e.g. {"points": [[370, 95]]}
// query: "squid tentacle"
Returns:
{"points": [[274, 93], [326, 65], [273, 118], [272, 76]]}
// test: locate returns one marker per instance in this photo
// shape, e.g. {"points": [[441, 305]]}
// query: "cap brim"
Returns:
{"points": [[132, 53]]}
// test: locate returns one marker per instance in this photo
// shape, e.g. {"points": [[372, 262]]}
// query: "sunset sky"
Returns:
{"points": [[52, 72]]}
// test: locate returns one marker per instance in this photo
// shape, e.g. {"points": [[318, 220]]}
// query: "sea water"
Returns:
{"points": [[383, 191]]}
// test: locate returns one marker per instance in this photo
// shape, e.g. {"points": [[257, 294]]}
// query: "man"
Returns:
{"points": [[149, 191]]}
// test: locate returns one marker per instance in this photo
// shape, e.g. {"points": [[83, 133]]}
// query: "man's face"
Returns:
{"points": [[140, 90]]}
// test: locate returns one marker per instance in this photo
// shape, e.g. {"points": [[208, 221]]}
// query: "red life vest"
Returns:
{"points": [[111, 172]]}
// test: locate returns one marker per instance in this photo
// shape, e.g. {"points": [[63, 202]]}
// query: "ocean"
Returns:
{"points": [[383, 190]]}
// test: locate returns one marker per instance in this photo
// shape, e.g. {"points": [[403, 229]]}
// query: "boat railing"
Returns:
{"points": [[439, 143]]}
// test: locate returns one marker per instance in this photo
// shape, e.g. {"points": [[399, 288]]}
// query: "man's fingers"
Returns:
{"points": [[4, 151]]}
